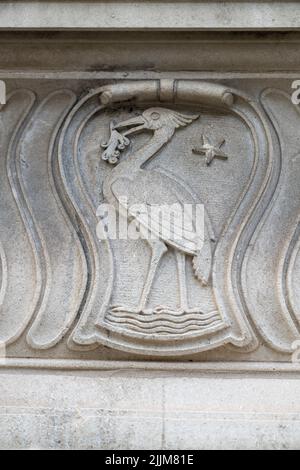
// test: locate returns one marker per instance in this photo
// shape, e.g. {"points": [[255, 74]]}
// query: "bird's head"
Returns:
{"points": [[155, 119], [161, 121]]}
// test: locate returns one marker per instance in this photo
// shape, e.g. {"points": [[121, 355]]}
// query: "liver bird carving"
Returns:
{"points": [[131, 185]]}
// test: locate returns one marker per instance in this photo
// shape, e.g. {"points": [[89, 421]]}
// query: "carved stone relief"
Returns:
{"points": [[228, 292]]}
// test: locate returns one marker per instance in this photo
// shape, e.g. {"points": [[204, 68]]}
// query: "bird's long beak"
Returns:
{"points": [[135, 124]]}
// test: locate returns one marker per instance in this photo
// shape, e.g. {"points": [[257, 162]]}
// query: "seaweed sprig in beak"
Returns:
{"points": [[117, 142]]}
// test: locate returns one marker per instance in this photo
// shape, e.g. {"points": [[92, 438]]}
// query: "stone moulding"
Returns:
{"points": [[151, 55], [153, 366], [206, 15]]}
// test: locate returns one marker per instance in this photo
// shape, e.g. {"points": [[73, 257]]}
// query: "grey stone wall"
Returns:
{"points": [[135, 343]]}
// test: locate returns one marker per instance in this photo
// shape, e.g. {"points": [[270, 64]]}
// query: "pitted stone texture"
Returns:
{"points": [[65, 294], [143, 15]]}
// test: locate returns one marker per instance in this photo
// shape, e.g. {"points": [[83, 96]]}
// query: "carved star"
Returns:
{"points": [[210, 151]]}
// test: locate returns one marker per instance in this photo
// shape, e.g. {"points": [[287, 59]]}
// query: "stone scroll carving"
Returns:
{"points": [[228, 286]]}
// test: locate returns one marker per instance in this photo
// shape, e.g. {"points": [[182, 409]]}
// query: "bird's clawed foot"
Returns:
{"points": [[126, 309]]}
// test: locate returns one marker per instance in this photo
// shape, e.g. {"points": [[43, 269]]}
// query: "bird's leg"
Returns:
{"points": [[183, 292], [158, 249]]}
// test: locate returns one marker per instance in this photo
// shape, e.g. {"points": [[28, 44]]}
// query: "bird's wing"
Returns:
{"points": [[177, 224], [189, 196], [170, 224]]}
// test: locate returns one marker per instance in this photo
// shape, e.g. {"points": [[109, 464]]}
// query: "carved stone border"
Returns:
{"points": [[237, 234]]}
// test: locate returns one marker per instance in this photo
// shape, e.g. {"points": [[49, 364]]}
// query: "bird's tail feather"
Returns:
{"points": [[202, 263]]}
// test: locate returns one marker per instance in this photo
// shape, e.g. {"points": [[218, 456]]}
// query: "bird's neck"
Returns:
{"points": [[139, 158]]}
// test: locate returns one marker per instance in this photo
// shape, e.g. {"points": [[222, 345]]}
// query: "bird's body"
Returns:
{"points": [[169, 195], [164, 211]]}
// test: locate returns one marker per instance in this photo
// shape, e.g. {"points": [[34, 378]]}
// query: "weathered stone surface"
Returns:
{"points": [[105, 344], [98, 411], [143, 15], [76, 292]]}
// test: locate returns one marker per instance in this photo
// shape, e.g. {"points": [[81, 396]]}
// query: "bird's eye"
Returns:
{"points": [[155, 116]]}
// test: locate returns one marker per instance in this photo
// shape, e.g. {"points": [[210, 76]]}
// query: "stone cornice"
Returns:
{"points": [[150, 15]]}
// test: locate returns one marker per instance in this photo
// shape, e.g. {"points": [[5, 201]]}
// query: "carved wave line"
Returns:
{"points": [[242, 321], [161, 323], [36, 239], [32, 336], [293, 244], [163, 317], [92, 300], [165, 329], [288, 270], [245, 334], [255, 219], [240, 220], [74, 207], [264, 203], [13, 175]]}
